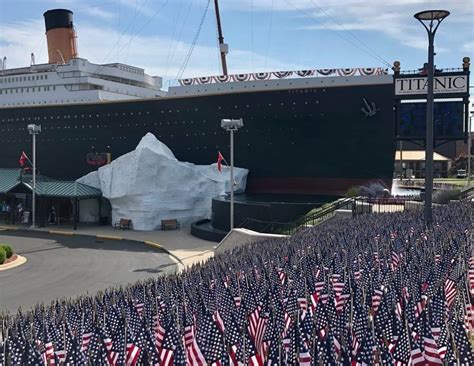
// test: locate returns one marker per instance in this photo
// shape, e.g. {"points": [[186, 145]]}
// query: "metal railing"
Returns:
{"points": [[466, 192], [288, 228], [364, 205]]}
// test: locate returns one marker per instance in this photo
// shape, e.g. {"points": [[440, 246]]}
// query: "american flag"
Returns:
{"points": [[331, 294]]}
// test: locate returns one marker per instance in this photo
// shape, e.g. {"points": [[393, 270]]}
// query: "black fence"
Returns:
{"points": [[365, 205], [308, 220], [352, 206]]}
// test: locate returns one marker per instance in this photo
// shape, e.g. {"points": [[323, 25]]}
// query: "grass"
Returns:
{"points": [[453, 181]]}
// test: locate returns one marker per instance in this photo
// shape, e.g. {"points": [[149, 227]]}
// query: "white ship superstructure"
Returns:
{"points": [[69, 79], [77, 81]]}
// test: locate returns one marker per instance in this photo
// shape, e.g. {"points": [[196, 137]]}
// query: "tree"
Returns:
{"points": [[460, 163]]}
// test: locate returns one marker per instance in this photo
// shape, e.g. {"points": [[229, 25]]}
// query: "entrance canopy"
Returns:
{"points": [[15, 183], [12, 180]]}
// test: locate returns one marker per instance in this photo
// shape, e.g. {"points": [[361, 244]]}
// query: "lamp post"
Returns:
{"points": [[430, 19], [469, 147], [34, 130], [232, 125]]}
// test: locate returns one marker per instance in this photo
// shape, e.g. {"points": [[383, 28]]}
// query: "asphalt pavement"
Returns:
{"points": [[60, 266]]}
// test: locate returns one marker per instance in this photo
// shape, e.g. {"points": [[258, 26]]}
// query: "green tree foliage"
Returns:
{"points": [[3, 255], [460, 163], [8, 249]]}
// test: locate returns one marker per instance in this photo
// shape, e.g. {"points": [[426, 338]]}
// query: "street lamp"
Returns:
{"points": [[469, 147], [232, 125], [34, 130], [430, 19]]}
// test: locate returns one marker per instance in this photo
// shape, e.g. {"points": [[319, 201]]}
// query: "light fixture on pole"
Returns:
{"points": [[232, 125], [430, 19], [34, 130], [469, 147]]}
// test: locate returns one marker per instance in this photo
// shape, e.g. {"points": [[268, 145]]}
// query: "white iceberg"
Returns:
{"points": [[149, 184]]}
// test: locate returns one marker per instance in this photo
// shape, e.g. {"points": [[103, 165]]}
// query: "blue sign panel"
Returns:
{"points": [[448, 120]]}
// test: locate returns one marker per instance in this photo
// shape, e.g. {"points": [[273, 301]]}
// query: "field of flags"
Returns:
{"points": [[378, 289]]}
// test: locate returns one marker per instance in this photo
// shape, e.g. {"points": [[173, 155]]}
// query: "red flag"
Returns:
{"points": [[23, 159], [219, 161]]}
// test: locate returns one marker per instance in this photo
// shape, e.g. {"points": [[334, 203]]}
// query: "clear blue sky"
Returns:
{"points": [[262, 34]]}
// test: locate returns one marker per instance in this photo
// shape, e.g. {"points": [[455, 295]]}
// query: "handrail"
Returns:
{"points": [[465, 192], [295, 225]]}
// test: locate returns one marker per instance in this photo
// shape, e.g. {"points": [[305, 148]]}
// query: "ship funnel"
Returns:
{"points": [[60, 35]]}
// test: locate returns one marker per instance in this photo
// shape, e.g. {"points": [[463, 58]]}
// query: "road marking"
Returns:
{"points": [[109, 237]]}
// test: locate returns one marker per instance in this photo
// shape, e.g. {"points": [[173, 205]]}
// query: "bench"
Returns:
{"points": [[170, 224], [123, 224]]}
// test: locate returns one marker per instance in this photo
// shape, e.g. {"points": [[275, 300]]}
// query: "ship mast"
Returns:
{"points": [[223, 47]]}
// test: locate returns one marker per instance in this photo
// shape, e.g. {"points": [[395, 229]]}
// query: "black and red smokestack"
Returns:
{"points": [[60, 35]]}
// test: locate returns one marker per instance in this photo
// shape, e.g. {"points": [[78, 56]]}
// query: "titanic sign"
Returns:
{"points": [[445, 84]]}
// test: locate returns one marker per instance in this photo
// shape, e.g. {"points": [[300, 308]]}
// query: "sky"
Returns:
{"points": [[263, 35]]}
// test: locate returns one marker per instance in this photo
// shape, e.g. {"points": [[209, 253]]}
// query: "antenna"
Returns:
{"points": [[32, 59], [4, 63], [223, 47]]}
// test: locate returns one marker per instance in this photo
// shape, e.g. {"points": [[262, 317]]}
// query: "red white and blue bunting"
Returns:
{"points": [[363, 71]]}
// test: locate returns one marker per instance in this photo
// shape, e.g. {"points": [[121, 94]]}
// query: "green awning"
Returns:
{"points": [[64, 189], [46, 187], [9, 179]]}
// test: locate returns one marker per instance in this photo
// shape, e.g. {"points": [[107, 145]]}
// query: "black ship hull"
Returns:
{"points": [[305, 141]]}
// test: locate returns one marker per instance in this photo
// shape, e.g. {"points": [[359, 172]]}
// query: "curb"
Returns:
{"points": [[179, 263], [16, 263]]}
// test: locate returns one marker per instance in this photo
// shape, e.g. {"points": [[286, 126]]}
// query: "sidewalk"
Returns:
{"points": [[181, 244]]}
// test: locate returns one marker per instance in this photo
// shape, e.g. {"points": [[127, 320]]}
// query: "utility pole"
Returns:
{"points": [[34, 130]]}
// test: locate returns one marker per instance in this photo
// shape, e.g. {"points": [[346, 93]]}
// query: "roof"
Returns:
{"points": [[46, 187], [64, 189], [9, 179], [416, 155]]}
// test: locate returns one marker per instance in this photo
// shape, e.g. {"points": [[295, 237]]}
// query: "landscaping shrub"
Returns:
{"points": [[8, 250], [3, 255]]}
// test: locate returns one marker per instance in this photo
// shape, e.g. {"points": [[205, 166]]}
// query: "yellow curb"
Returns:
{"points": [[8, 228], [70, 233], [17, 262], [156, 245], [109, 237]]}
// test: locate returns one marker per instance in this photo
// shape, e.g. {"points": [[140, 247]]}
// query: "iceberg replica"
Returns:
{"points": [[149, 184]]}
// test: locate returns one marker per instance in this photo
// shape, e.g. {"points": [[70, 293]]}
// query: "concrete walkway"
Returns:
{"points": [[181, 244]]}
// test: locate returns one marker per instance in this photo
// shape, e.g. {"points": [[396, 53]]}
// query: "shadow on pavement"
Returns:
{"points": [[159, 269], [80, 242]]}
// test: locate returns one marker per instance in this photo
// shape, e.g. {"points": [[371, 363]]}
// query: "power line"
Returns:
{"points": [[368, 52], [196, 36], [135, 35], [350, 32], [117, 42], [270, 28]]}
